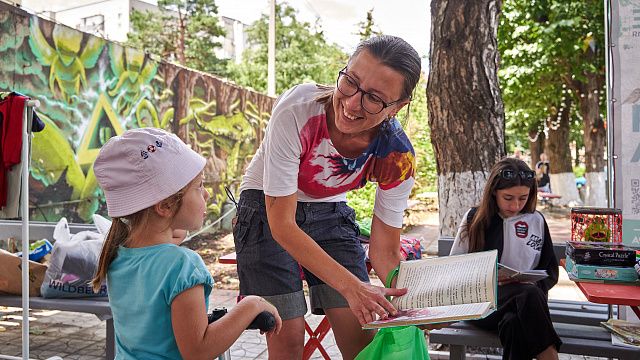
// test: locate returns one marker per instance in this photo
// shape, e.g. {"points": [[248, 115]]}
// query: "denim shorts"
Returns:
{"points": [[267, 270]]}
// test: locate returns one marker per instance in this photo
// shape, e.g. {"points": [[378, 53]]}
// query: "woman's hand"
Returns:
{"points": [[367, 302]]}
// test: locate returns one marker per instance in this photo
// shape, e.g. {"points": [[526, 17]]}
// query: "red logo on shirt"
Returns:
{"points": [[522, 229]]}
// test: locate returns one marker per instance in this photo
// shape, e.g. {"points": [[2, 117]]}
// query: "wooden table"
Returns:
{"points": [[611, 294], [315, 335]]}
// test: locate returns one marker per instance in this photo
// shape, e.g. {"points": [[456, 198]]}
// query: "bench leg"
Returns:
{"points": [[111, 340], [457, 352]]}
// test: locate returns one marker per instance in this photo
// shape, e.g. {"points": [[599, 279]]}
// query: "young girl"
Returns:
{"points": [[507, 220], [158, 291]]}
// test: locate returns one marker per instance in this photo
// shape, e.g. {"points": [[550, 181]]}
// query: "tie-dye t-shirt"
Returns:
{"points": [[297, 156]]}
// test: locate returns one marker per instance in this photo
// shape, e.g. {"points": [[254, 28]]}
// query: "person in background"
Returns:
{"points": [[320, 143], [542, 174], [158, 291], [506, 219]]}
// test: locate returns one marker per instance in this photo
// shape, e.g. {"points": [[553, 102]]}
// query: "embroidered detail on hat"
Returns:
{"points": [[144, 154], [158, 143], [151, 148]]}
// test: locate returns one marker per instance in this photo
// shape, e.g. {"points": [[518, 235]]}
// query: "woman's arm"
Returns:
{"points": [[365, 300], [384, 247], [197, 339]]}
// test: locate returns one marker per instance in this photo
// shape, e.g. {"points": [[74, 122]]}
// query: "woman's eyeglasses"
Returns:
{"points": [[371, 103], [510, 174]]}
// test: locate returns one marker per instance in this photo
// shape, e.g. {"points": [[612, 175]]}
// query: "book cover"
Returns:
{"points": [[445, 289], [608, 254], [629, 332], [505, 272], [600, 272]]}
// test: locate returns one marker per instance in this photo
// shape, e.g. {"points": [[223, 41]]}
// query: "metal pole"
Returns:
{"points": [[271, 56], [610, 121], [24, 208], [610, 103]]}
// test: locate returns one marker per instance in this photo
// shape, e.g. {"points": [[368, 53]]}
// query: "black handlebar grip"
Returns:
{"points": [[265, 321]]}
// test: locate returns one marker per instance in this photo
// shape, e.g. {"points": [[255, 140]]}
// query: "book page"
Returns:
{"points": [[505, 272], [460, 279], [433, 315]]}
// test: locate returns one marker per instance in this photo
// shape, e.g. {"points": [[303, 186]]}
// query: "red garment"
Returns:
{"points": [[11, 110]]}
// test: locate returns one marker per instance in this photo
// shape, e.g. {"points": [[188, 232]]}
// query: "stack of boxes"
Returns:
{"points": [[595, 252]]}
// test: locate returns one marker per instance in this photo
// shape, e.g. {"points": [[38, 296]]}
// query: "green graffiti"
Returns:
{"points": [[68, 62], [133, 71]]}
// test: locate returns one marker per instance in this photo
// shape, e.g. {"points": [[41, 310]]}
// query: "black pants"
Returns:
{"points": [[522, 321]]}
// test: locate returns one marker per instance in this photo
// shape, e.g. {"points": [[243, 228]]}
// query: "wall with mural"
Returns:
{"points": [[91, 89]]}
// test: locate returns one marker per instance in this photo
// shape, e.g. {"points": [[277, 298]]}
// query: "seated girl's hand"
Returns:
{"points": [[267, 306]]}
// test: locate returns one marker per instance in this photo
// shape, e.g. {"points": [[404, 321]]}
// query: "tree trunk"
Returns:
{"points": [[595, 137], [563, 181], [536, 147], [466, 113]]}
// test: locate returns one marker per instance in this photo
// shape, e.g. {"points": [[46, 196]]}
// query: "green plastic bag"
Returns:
{"points": [[396, 343]]}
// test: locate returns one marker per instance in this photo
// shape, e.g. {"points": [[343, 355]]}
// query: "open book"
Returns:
{"points": [[505, 272], [445, 289]]}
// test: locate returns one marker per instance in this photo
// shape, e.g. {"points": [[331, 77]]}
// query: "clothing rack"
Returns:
{"points": [[27, 116]]}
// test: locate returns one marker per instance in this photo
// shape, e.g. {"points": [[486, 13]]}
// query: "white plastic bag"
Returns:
{"points": [[74, 260]]}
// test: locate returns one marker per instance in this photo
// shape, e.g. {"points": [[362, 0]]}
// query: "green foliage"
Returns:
{"points": [[362, 201], [302, 54], [368, 28], [186, 31], [417, 127], [547, 48]]}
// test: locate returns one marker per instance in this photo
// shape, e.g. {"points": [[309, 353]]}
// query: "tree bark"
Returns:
{"points": [[595, 137], [536, 147], [466, 113], [563, 181]]}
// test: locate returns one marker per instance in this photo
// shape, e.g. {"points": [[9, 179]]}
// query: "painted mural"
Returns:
{"points": [[91, 89]]}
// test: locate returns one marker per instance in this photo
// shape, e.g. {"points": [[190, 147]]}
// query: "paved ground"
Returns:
{"points": [[82, 336]]}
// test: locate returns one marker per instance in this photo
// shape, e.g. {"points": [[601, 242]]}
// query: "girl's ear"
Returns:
{"points": [[163, 209]]}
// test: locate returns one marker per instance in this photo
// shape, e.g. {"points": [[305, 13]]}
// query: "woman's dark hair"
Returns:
{"points": [[397, 54], [488, 208], [393, 52]]}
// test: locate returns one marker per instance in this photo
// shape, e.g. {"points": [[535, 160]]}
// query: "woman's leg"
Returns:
{"points": [[288, 344], [350, 337], [267, 270]]}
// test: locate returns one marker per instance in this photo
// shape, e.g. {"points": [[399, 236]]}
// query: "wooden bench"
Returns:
{"points": [[576, 322], [546, 197]]}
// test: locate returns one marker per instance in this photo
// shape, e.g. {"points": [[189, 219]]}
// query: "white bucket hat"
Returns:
{"points": [[142, 167]]}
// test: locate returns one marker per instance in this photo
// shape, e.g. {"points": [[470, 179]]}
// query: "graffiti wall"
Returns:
{"points": [[91, 89]]}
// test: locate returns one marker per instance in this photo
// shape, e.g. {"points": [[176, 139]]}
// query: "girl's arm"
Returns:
{"points": [[197, 339], [365, 300], [384, 248]]}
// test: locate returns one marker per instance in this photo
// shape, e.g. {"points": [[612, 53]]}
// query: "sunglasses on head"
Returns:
{"points": [[510, 174]]}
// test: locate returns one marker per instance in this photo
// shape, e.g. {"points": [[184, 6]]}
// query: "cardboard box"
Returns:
{"points": [[11, 274], [602, 254], [594, 272]]}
